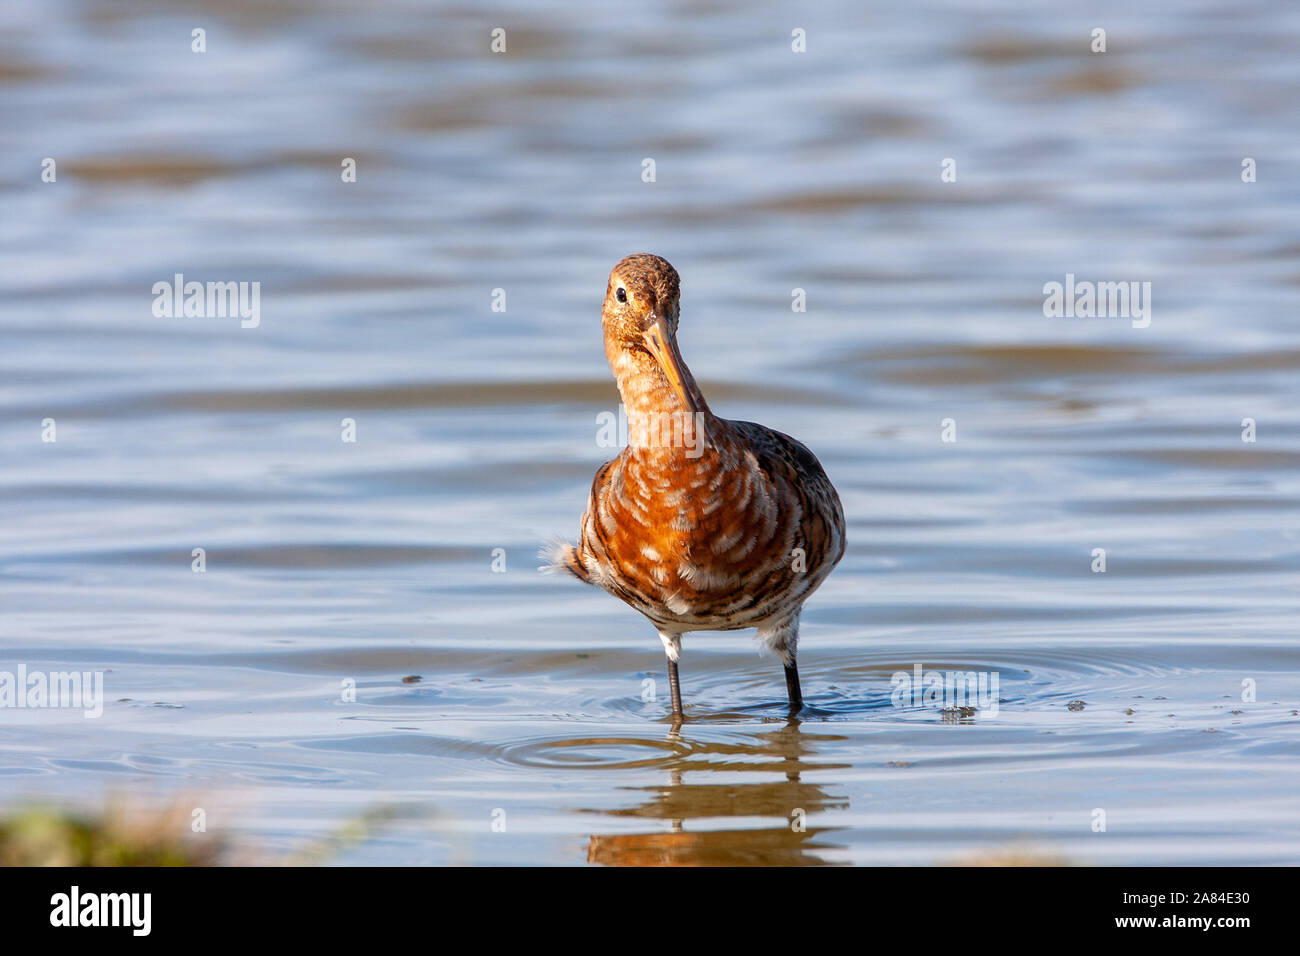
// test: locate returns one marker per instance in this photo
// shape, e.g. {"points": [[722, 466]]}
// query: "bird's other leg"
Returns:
{"points": [[782, 636], [673, 650], [792, 684]]}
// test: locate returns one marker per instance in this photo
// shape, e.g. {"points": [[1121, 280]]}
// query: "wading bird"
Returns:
{"points": [[700, 523]]}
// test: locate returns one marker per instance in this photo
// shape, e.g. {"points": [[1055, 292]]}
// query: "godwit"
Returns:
{"points": [[700, 523]]}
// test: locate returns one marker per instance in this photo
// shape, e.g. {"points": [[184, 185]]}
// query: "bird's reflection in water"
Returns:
{"points": [[780, 755]]}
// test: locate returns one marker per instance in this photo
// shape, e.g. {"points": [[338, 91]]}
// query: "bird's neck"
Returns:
{"points": [[657, 417]]}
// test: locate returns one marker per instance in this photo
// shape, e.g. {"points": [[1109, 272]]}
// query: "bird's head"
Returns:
{"points": [[640, 319]]}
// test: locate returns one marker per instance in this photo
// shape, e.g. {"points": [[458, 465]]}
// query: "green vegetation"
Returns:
{"points": [[45, 836]]}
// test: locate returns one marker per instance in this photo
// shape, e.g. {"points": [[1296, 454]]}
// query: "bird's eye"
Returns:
{"points": [[622, 294]]}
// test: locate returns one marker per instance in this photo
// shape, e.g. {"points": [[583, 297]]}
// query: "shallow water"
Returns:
{"points": [[372, 561]]}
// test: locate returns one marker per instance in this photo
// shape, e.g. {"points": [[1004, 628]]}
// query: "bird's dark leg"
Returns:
{"points": [[792, 684], [673, 649], [675, 686], [782, 636]]}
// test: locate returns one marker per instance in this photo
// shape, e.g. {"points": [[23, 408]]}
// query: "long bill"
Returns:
{"points": [[659, 340]]}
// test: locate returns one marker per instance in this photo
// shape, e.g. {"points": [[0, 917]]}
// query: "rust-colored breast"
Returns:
{"points": [[740, 535]]}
